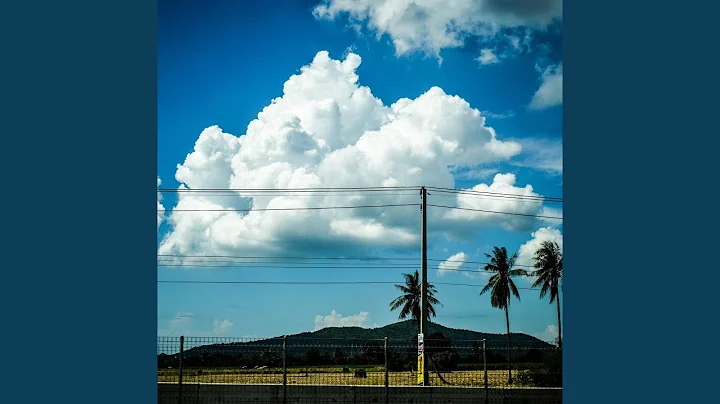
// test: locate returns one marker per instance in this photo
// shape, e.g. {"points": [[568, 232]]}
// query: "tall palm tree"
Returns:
{"points": [[548, 269], [502, 286], [410, 299]]}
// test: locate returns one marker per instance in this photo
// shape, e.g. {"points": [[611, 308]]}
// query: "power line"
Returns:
{"points": [[308, 189], [317, 283], [355, 189], [331, 190], [476, 262], [493, 211], [473, 192], [247, 257], [356, 207], [474, 285], [196, 264], [445, 194], [289, 209], [304, 264], [302, 194], [282, 282], [286, 257]]}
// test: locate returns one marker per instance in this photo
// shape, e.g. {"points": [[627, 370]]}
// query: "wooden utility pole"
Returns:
{"points": [[423, 266]]}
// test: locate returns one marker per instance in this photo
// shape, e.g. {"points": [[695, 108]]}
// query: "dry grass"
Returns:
{"points": [[467, 378]]}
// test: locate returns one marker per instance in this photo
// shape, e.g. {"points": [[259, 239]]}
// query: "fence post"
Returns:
{"points": [[284, 369], [387, 375], [485, 366], [180, 365]]}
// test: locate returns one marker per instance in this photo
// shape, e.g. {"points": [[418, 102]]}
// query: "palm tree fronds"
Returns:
{"points": [[519, 272]]}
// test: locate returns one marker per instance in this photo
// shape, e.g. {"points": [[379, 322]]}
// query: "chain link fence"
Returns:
{"points": [[278, 364]]}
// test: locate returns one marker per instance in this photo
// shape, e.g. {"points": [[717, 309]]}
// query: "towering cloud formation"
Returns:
{"points": [[326, 130]]}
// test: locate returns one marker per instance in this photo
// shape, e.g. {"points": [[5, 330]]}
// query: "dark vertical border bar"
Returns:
{"points": [[640, 152], [78, 124]]}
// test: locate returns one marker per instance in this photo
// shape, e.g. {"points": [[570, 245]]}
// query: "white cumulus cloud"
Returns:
{"points": [[487, 57], [550, 93], [453, 263], [222, 328], [520, 206], [326, 130], [335, 319], [528, 249], [429, 26], [549, 335]]}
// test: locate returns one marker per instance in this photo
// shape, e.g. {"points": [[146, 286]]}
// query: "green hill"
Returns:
{"points": [[406, 331], [400, 335]]}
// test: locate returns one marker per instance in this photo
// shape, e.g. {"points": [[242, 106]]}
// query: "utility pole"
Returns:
{"points": [[423, 266]]}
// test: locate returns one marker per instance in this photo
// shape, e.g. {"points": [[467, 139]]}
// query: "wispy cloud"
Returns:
{"points": [[543, 154], [473, 173], [186, 323], [495, 115], [431, 26], [463, 316], [180, 324]]}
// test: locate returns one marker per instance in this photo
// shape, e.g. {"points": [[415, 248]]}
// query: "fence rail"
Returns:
{"points": [[289, 361]]}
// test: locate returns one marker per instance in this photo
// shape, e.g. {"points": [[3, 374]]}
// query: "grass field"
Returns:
{"points": [[334, 376]]}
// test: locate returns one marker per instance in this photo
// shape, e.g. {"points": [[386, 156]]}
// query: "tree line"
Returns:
{"points": [[445, 356]]}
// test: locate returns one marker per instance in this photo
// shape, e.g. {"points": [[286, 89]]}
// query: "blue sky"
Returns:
{"points": [[221, 63]]}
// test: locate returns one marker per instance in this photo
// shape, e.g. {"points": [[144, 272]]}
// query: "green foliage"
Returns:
{"points": [[168, 361], [439, 348], [409, 301], [313, 357], [548, 269], [548, 374], [500, 284], [338, 357]]}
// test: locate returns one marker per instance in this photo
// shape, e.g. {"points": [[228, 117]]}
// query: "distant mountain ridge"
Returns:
{"points": [[402, 333], [405, 331]]}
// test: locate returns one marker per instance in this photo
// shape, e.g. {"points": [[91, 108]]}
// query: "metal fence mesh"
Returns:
{"points": [[192, 369]]}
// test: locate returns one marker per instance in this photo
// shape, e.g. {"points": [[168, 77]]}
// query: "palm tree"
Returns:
{"points": [[410, 299], [502, 286], [548, 269]]}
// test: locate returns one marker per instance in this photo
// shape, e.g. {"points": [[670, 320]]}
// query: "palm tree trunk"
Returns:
{"points": [[507, 321], [559, 321]]}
